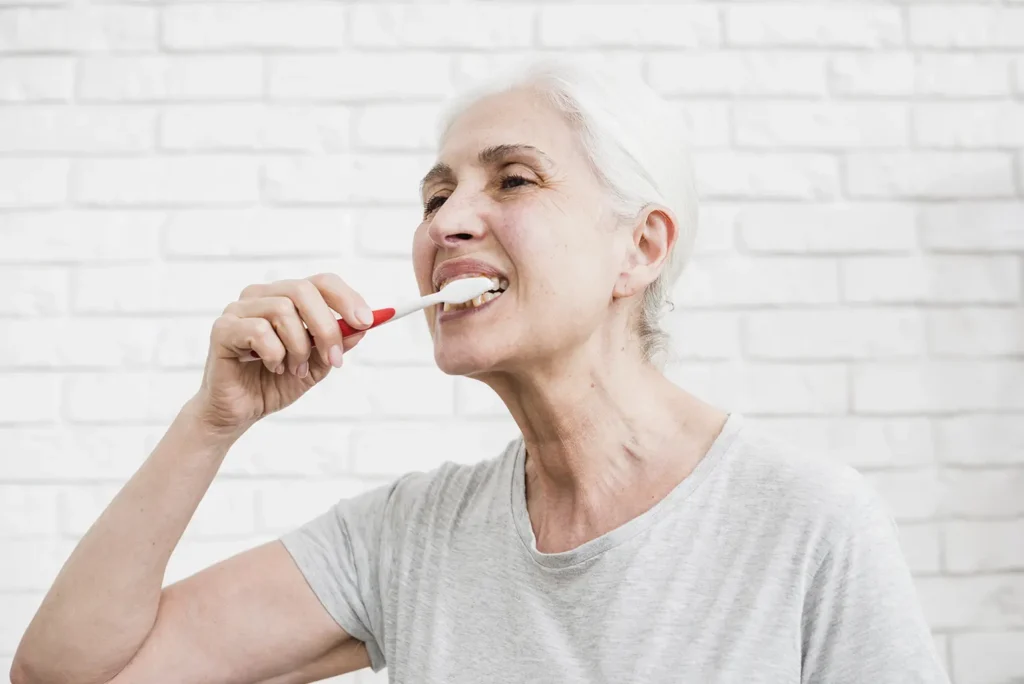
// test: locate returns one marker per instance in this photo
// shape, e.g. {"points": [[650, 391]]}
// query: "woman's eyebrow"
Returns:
{"points": [[489, 156], [499, 153]]}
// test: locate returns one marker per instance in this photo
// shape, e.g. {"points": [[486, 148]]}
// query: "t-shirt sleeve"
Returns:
{"points": [[862, 618], [341, 553]]}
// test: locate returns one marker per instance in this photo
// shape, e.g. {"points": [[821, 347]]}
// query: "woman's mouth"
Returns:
{"points": [[499, 287]]}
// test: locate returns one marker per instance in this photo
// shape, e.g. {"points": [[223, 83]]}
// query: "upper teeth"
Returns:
{"points": [[496, 283]]}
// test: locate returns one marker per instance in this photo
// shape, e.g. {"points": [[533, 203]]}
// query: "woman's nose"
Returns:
{"points": [[457, 220]]}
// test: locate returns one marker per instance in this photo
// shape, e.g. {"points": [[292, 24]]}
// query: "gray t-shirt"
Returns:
{"points": [[764, 565]]}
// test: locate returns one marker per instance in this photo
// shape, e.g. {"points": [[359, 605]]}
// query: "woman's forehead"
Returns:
{"points": [[517, 118]]}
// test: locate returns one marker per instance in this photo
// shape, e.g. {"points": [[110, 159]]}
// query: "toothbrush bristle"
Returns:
{"points": [[465, 289]]}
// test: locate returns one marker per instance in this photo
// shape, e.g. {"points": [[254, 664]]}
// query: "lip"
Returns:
{"points": [[462, 266]]}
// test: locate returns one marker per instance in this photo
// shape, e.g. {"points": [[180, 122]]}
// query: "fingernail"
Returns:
{"points": [[302, 370], [364, 316], [335, 356], [280, 369]]}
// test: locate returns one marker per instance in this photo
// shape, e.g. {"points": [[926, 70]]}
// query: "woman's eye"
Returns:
{"points": [[434, 204], [513, 181]]}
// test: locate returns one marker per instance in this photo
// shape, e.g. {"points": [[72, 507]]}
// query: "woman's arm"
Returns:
{"points": [[251, 616]]}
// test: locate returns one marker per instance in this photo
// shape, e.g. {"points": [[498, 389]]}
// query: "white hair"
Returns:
{"points": [[637, 146]]}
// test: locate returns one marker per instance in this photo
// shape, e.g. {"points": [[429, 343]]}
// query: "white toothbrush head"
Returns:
{"points": [[464, 289]]}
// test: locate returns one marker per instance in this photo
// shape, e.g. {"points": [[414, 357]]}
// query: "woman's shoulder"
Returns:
{"points": [[771, 474]]}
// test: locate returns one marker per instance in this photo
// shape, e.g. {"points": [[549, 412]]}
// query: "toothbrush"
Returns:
{"points": [[456, 292]]}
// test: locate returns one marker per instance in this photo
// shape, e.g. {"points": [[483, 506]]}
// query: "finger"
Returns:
{"points": [[283, 316], [238, 336], [343, 299]]}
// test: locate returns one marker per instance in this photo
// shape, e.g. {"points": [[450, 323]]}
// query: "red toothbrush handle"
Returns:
{"points": [[379, 316]]}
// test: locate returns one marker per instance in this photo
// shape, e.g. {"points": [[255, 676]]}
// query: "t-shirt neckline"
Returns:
{"points": [[629, 529]]}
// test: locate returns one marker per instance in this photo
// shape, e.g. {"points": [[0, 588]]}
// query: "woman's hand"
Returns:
{"points": [[275, 320]]}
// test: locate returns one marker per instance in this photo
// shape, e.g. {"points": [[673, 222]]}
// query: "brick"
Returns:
{"points": [[969, 125], [881, 74], [155, 78], [834, 334], [258, 232], [940, 175], [397, 448], [18, 612], [279, 447], [134, 396], [988, 492], [405, 342], [37, 79], [981, 658], [1018, 70], [980, 439], [922, 547], [969, 75], [392, 25], [703, 334], [55, 343], [29, 398], [358, 178], [925, 279], [746, 175], [828, 228], [813, 26], [737, 73], [33, 182], [195, 555], [404, 127], [228, 508], [387, 231], [180, 342], [474, 398], [28, 511], [69, 236], [295, 26], [166, 180], [80, 28], [62, 129], [973, 602], [624, 25], [163, 288], [965, 26], [33, 291], [705, 124], [716, 281], [255, 127], [310, 180], [65, 452], [974, 226], [286, 505], [984, 546], [857, 441], [39, 561], [938, 387], [716, 228], [910, 495], [976, 332], [816, 126], [471, 68], [359, 76], [902, 74], [768, 389]]}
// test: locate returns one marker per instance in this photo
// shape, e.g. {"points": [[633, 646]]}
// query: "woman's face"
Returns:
{"points": [[514, 197]]}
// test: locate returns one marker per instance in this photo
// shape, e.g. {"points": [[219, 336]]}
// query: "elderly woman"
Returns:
{"points": [[632, 533]]}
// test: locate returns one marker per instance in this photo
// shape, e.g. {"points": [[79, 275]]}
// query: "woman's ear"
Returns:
{"points": [[652, 240]]}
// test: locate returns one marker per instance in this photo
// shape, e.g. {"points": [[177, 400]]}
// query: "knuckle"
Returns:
{"points": [[282, 307], [250, 291]]}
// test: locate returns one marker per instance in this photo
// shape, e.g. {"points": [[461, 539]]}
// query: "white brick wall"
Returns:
{"points": [[858, 285]]}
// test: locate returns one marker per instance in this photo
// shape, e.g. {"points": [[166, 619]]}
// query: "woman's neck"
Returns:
{"points": [[604, 442]]}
